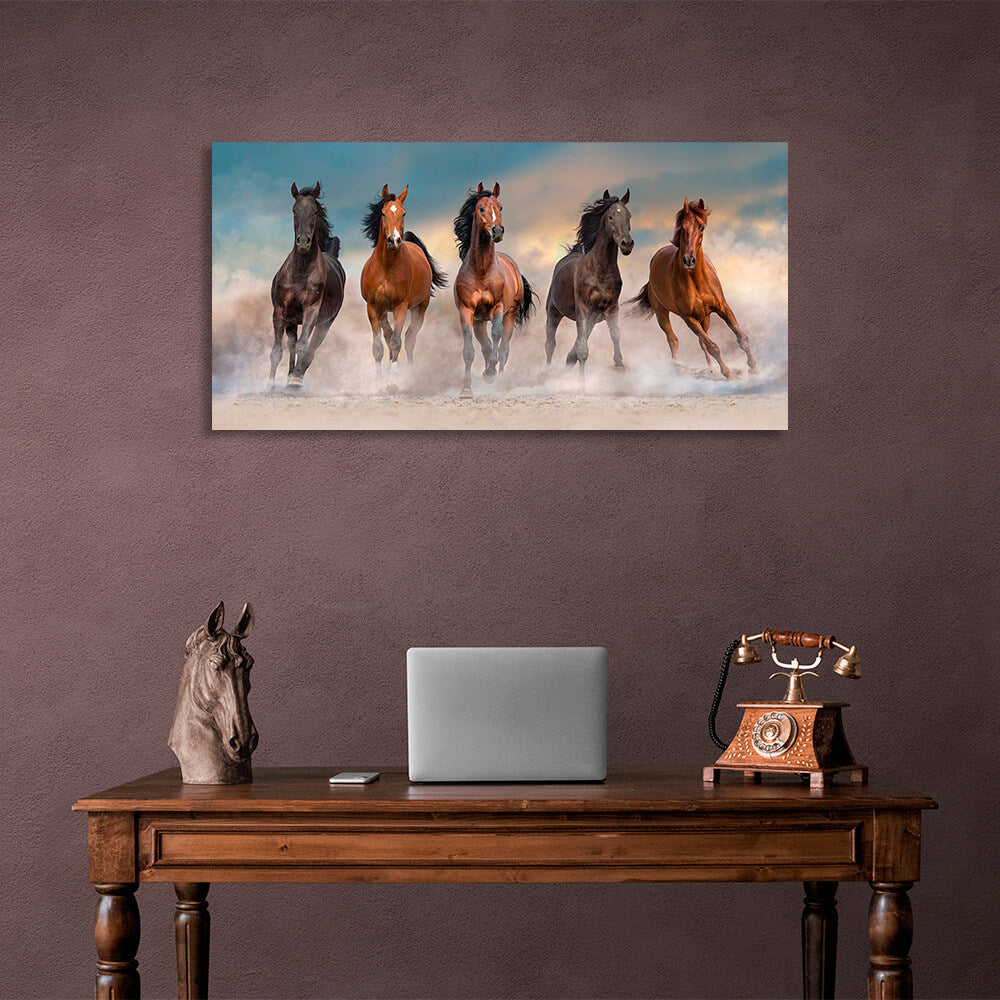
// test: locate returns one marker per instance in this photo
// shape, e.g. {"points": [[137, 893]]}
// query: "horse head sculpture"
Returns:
{"points": [[213, 735]]}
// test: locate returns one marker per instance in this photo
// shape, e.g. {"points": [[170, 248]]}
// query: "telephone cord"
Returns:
{"points": [[717, 700]]}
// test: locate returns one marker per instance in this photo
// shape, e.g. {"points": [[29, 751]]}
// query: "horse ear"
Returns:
{"points": [[385, 190], [701, 204], [481, 187], [607, 193], [245, 625], [402, 197], [626, 196], [685, 204], [295, 190], [496, 190], [316, 192], [214, 623]]}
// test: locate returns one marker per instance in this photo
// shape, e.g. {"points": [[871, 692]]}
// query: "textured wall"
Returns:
{"points": [[125, 518]]}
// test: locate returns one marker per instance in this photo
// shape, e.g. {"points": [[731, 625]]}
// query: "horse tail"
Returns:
{"points": [[527, 306], [641, 302], [333, 247], [438, 278]]}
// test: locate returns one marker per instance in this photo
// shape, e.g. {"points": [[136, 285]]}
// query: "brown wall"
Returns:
{"points": [[125, 518]]}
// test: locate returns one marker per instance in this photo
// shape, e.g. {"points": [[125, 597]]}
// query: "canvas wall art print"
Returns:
{"points": [[492, 286]]}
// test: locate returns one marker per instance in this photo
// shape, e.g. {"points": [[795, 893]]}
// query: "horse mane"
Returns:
{"points": [[464, 220], [322, 222], [693, 208], [372, 221], [590, 222], [230, 644]]}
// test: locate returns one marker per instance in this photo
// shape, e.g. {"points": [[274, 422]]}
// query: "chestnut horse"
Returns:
{"points": [[682, 280], [308, 288], [586, 283], [489, 288], [399, 277]]}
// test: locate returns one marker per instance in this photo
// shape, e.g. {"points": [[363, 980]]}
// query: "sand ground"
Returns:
{"points": [[495, 411]]}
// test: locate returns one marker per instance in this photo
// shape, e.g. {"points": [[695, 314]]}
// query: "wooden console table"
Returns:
{"points": [[644, 824]]}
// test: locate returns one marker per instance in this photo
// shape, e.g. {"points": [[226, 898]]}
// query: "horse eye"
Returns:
{"points": [[702, 229]]}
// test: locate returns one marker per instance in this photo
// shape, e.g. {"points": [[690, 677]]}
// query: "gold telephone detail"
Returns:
{"points": [[791, 736]]}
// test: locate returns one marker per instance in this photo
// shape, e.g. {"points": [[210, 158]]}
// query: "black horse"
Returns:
{"points": [[586, 283], [308, 288]]}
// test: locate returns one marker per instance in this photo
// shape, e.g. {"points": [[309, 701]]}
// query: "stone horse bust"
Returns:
{"points": [[213, 735]]}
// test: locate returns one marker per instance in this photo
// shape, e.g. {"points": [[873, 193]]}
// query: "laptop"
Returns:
{"points": [[507, 714]]}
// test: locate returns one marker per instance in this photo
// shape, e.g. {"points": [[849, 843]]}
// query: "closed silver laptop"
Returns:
{"points": [[507, 714]]}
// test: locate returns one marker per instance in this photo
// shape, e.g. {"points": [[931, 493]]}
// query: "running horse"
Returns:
{"points": [[586, 283], [489, 289], [398, 278], [308, 288], [682, 280]]}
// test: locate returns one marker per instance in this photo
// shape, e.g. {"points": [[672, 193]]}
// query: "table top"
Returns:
{"points": [[633, 789]]}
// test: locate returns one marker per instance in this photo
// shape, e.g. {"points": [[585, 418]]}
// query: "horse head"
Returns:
{"points": [[618, 219], [393, 214], [306, 215], [488, 214], [212, 715], [690, 229]]}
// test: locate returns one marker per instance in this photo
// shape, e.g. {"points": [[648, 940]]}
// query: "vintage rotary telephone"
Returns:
{"points": [[792, 735]]}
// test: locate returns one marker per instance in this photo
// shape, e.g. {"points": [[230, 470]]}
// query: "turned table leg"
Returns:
{"points": [[191, 932], [819, 941], [890, 932], [116, 935]]}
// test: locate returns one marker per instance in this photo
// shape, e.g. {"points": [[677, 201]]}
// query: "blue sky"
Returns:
{"points": [[543, 185]]}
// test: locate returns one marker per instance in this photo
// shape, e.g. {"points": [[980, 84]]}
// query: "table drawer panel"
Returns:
{"points": [[266, 846]]}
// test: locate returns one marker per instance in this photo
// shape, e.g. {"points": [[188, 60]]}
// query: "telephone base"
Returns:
{"points": [[817, 779]]}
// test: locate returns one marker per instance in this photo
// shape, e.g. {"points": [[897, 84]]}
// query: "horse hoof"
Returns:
{"points": [[392, 389], [619, 366], [466, 393], [294, 381], [489, 376]]}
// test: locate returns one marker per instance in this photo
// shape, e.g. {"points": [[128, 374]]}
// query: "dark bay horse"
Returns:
{"points": [[489, 287], [586, 283], [213, 734], [398, 278], [682, 280], [308, 288]]}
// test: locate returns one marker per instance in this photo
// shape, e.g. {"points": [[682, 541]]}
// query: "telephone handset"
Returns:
{"points": [[792, 735]]}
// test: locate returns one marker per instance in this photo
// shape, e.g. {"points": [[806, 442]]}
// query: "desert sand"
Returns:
{"points": [[495, 411]]}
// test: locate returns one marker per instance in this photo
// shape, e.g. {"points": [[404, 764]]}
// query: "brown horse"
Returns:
{"points": [[682, 280], [308, 288], [489, 288], [398, 278], [586, 283]]}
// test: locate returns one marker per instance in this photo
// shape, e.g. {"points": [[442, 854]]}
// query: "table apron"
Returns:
{"points": [[352, 848]]}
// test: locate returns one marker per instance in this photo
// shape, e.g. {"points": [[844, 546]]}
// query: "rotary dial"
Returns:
{"points": [[774, 733]]}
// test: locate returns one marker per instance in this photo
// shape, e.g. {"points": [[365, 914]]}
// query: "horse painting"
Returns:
{"points": [[586, 283], [308, 288], [682, 280], [489, 289], [398, 278], [213, 735]]}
